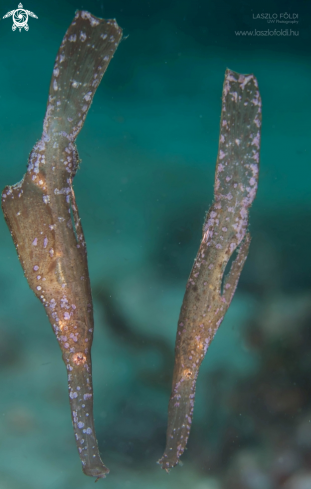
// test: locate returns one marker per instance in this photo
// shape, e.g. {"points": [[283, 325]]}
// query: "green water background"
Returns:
{"points": [[148, 151]]}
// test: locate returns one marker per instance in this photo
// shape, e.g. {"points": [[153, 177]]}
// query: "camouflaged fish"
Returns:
{"points": [[208, 293], [42, 215]]}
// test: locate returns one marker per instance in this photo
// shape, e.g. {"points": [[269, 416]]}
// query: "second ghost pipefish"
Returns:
{"points": [[208, 293], [39, 210]]}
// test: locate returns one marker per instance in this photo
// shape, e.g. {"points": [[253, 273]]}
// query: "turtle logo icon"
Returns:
{"points": [[20, 18]]}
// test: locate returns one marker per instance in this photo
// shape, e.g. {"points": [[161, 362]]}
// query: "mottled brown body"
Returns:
{"points": [[42, 215], [206, 300]]}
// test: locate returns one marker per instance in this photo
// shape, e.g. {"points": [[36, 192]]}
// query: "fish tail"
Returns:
{"points": [[82, 59]]}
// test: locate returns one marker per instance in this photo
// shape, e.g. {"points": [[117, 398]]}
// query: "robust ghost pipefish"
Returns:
{"points": [[42, 215], [208, 293]]}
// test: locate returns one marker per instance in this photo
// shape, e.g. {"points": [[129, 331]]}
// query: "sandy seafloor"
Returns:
{"points": [[148, 151]]}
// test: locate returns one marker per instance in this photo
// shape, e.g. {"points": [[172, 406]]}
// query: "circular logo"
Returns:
{"points": [[20, 18]]}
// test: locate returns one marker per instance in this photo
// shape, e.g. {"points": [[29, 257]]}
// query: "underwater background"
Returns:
{"points": [[148, 151]]}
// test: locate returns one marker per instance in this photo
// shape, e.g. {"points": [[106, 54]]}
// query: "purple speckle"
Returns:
{"points": [[252, 181]]}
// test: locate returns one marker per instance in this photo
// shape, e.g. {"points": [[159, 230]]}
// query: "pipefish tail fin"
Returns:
{"points": [[38, 209], [83, 57]]}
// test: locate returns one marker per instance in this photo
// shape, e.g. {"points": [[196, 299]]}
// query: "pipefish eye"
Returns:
{"points": [[79, 358], [187, 373]]}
